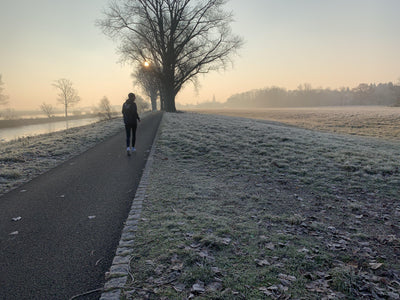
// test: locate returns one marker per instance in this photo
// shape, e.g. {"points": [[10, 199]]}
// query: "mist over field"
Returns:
{"points": [[373, 121], [384, 94]]}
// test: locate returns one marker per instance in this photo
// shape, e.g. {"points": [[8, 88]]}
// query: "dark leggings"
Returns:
{"points": [[130, 128]]}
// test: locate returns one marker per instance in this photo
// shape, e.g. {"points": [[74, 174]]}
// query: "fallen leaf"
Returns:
{"points": [[375, 266], [195, 245], [270, 246], [226, 241], [364, 244], [265, 291], [216, 270], [159, 270], [262, 262], [204, 254], [16, 219], [214, 286], [287, 277], [179, 287], [149, 262], [177, 267], [198, 287], [14, 233], [91, 217], [319, 286], [303, 250]]}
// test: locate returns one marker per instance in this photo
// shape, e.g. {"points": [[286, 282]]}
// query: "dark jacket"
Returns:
{"points": [[129, 111]]}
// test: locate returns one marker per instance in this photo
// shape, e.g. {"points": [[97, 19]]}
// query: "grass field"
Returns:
{"points": [[375, 121], [251, 209], [273, 206]]}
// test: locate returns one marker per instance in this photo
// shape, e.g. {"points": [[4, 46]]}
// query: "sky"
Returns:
{"points": [[287, 43]]}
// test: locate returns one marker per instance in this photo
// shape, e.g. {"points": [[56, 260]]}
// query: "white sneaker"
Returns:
{"points": [[128, 151], [133, 149]]}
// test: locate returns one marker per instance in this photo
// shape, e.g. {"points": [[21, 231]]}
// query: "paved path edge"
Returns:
{"points": [[118, 274]]}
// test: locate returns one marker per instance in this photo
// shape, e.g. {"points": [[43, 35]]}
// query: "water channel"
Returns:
{"points": [[8, 134]]}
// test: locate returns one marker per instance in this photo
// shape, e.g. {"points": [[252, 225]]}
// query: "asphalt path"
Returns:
{"points": [[71, 220]]}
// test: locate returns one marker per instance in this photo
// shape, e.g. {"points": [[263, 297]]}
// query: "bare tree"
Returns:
{"points": [[142, 105], [3, 98], [145, 77], [47, 109], [184, 38], [68, 96], [9, 114], [105, 110]]}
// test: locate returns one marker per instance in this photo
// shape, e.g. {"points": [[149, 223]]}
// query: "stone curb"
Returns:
{"points": [[119, 270]]}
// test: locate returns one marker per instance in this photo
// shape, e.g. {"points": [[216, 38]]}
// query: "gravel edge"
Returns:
{"points": [[119, 273]]}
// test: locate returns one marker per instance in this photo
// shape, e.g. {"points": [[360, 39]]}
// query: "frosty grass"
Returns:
{"points": [[247, 209]]}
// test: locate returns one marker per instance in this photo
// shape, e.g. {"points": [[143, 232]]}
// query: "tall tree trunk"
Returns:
{"points": [[153, 99], [162, 104], [169, 89], [169, 99], [153, 103], [162, 99]]}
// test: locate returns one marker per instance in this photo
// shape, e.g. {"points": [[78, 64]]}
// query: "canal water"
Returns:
{"points": [[8, 134]]}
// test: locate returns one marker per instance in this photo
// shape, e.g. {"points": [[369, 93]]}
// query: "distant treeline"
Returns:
{"points": [[364, 94]]}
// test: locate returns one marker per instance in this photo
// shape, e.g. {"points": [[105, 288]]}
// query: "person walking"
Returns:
{"points": [[131, 116]]}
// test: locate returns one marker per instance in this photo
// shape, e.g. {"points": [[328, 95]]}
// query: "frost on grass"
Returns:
{"points": [[246, 209], [374, 121], [327, 162], [25, 158]]}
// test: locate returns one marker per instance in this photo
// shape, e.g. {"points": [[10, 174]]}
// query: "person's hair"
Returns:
{"points": [[131, 96]]}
